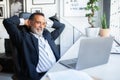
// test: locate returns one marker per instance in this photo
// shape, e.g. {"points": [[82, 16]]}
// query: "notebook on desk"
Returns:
{"points": [[92, 52]]}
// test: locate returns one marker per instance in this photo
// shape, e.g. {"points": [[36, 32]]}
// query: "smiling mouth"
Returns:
{"points": [[39, 29]]}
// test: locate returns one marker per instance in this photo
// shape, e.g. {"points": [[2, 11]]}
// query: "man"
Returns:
{"points": [[36, 45]]}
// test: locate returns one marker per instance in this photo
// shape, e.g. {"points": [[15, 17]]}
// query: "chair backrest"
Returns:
{"points": [[11, 51], [24, 15], [8, 47]]}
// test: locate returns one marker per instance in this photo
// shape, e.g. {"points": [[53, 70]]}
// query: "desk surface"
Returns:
{"points": [[109, 71]]}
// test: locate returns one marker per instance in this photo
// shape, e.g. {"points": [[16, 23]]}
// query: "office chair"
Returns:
{"points": [[24, 15]]}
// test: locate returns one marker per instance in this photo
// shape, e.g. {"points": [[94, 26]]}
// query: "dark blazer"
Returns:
{"points": [[27, 45]]}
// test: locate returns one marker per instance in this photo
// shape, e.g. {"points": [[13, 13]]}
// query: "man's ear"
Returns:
{"points": [[29, 22]]}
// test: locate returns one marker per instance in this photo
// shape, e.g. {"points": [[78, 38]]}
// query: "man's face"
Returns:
{"points": [[38, 24]]}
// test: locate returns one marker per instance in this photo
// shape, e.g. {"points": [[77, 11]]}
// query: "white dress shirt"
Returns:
{"points": [[46, 55]]}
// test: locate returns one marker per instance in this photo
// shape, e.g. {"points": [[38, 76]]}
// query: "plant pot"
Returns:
{"points": [[104, 32], [92, 32]]}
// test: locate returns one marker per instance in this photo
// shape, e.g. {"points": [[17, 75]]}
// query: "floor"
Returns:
{"points": [[5, 76]]}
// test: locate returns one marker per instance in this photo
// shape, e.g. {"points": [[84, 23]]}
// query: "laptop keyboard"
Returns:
{"points": [[71, 63], [74, 60]]}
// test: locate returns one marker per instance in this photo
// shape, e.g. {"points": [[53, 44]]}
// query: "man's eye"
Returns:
{"points": [[38, 22], [44, 23]]}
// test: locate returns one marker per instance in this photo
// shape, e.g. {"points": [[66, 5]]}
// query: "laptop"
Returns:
{"points": [[92, 52]]}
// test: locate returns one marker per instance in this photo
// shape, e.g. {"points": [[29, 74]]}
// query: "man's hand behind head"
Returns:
{"points": [[27, 23]]}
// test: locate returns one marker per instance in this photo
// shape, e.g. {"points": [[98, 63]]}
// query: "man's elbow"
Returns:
{"points": [[62, 26]]}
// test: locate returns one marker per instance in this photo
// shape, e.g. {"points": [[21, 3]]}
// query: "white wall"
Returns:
{"points": [[79, 22], [48, 9], [3, 33]]}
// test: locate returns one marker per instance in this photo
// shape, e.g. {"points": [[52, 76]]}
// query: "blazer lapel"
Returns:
{"points": [[35, 42], [51, 43], [49, 39]]}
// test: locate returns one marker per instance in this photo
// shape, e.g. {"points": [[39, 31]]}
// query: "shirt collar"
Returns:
{"points": [[36, 35]]}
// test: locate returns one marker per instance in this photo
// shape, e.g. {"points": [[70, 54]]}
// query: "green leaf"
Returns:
{"points": [[104, 22], [91, 7]]}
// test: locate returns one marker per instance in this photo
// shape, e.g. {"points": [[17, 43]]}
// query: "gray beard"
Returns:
{"points": [[36, 32]]}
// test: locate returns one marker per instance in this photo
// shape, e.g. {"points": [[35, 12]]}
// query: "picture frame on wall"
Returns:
{"points": [[34, 10], [74, 8], [16, 7], [2, 12], [37, 2]]}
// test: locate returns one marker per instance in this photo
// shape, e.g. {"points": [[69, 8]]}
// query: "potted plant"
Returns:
{"points": [[104, 31], [92, 8]]}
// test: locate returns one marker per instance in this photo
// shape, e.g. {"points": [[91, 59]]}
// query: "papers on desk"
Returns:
{"points": [[69, 75]]}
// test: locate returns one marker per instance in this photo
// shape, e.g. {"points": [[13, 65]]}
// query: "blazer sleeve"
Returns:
{"points": [[10, 25], [59, 27]]}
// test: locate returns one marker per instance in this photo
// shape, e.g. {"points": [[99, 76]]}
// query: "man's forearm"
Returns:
{"points": [[59, 27]]}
